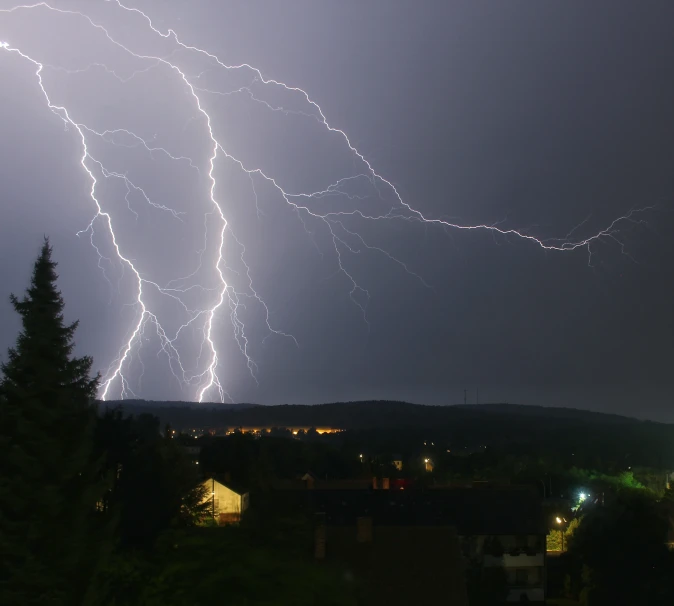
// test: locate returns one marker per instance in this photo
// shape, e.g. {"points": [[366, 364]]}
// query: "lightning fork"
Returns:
{"points": [[345, 240]]}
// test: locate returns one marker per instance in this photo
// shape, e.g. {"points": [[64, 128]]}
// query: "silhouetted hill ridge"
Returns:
{"points": [[357, 414], [552, 412]]}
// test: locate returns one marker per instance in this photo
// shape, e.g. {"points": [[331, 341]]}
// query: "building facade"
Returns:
{"points": [[227, 503]]}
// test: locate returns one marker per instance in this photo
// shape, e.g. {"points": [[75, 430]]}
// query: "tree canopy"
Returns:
{"points": [[49, 484]]}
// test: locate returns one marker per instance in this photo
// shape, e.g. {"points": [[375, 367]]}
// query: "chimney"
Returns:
{"points": [[364, 530]]}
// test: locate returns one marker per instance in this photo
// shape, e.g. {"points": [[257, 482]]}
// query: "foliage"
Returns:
{"points": [[559, 438], [49, 483], [594, 480], [221, 565], [623, 554], [253, 462], [156, 486], [554, 538]]}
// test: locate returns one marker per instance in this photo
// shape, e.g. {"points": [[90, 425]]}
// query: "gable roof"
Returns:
{"points": [[233, 486]]}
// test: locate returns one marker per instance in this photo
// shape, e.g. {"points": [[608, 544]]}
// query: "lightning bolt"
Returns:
{"points": [[312, 208]]}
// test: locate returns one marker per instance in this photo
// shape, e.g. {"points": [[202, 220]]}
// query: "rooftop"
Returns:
{"points": [[470, 511]]}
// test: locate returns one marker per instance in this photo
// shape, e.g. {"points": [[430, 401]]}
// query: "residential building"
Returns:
{"points": [[395, 565], [495, 527], [228, 502]]}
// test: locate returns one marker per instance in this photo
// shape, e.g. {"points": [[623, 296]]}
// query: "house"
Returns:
{"points": [[309, 476], [397, 461], [395, 565], [507, 530], [494, 528], [227, 502]]}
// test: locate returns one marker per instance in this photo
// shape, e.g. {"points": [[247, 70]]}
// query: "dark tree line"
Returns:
{"points": [[619, 555]]}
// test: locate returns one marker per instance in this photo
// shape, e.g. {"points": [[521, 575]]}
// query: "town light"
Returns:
{"points": [[559, 520]]}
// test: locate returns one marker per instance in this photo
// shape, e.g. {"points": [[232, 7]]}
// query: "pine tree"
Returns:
{"points": [[48, 483]]}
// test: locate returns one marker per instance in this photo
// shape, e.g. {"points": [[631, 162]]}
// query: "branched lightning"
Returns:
{"points": [[202, 373]]}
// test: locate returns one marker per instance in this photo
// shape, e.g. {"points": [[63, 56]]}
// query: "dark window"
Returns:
{"points": [[521, 576]]}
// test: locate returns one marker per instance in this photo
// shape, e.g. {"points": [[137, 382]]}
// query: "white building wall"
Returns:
{"points": [[226, 500]]}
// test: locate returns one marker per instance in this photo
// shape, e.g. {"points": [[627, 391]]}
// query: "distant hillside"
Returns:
{"points": [[385, 426], [550, 413], [584, 438], [358, 415]]}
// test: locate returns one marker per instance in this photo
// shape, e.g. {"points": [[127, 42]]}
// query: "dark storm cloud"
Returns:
{"points": [[537, 114]]}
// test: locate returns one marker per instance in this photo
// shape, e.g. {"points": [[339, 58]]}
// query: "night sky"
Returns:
{"points": [[536, 116]]}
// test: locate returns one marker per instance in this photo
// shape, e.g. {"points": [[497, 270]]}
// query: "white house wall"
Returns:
{"points": [[226, 500]]}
